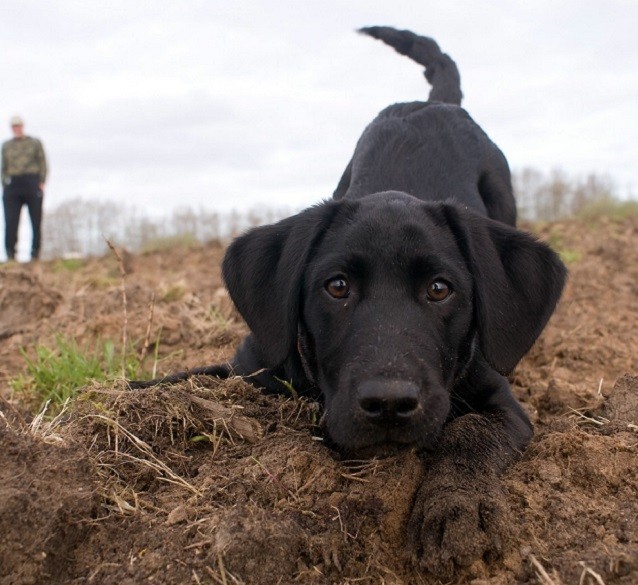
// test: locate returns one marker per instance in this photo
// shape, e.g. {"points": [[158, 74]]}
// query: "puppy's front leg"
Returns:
{"points": [[460, 514]]}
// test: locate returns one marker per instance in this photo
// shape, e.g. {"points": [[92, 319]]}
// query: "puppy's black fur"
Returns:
{"points": [[403, 302]]}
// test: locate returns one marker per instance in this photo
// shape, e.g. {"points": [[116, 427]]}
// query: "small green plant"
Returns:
{"points": [[569, 256], [289, 387], [55, 374], [159, 244], [68, 264], [216, 315], [557, 243], [174, 293]]}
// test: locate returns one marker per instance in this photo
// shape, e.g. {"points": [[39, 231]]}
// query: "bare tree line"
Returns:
{"points": [[555, 196], [81, 228]]}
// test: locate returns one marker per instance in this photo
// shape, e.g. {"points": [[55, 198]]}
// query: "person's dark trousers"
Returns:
{"points": [[23, 190]]}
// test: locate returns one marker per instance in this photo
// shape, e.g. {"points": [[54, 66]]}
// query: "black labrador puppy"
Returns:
{"points": [[404, 301]]}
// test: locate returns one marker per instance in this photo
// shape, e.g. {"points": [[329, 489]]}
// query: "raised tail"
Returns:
{"points": [[440, 70]]}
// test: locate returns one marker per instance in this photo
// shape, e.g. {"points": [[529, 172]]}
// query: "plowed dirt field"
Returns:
{"points": [[211, 481]]}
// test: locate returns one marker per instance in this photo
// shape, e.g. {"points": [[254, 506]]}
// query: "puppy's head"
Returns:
{"points": [[388, 299]]}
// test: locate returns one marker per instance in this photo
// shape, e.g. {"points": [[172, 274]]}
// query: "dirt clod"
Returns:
{"points": [[621, 405]]}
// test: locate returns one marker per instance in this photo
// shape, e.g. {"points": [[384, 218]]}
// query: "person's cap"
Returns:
{"points": [[17, 121]]}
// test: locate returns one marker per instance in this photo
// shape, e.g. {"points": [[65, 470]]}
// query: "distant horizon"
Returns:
{"points": [[79, 227]]}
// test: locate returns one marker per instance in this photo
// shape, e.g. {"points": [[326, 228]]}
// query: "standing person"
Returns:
{"points": [[24, 172]]}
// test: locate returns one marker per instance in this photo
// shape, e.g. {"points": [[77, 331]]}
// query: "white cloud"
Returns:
{"points": [[227, 104]]}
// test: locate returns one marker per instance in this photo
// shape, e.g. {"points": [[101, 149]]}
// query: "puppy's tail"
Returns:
{"points": [[440, 71]]}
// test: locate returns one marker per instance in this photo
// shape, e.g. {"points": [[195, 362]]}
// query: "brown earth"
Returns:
{"points": [[210, 481]]}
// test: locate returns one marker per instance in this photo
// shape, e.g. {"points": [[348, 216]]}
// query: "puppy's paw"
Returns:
{"points": [[454, 523]]}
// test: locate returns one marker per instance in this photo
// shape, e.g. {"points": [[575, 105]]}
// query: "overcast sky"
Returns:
{"points": [[223, 104]]}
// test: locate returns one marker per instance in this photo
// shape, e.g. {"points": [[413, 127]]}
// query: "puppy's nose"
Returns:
{"points": [[388, 401]]}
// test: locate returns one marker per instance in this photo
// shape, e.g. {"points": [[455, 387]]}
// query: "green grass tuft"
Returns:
{"points": [[160, 244], [56, 374], [174, 293], [568, 255], [68, 264], [610, 207]]}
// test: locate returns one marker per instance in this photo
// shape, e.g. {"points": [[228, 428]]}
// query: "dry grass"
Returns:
{"points": [[140, 437], [116, 430], [589, 576], [120, 262], [541, 574]]}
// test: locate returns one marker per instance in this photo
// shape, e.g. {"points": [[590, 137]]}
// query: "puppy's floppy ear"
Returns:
{"points": [[517, 283], [263, 270]]}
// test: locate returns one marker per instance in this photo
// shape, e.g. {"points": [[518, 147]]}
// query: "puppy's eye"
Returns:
{"points": [[338, 288], [438, 290]]}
